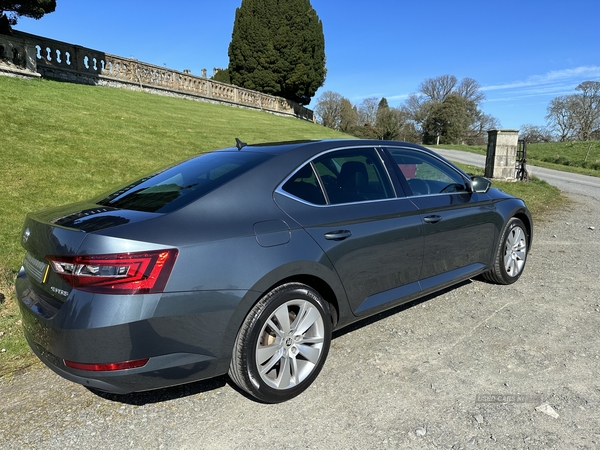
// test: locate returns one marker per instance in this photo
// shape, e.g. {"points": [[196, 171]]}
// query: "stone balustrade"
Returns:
{"points": [[26, 54]]}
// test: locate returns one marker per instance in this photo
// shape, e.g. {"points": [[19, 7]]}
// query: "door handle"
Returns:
{"points": [[432, 219], [338, 235]]}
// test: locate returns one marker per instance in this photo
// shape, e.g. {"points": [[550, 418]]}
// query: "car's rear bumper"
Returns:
{"points": [[184, 335], [159, 372]]}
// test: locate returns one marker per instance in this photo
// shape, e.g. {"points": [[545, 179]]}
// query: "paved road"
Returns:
{"points": [[567, 182]]}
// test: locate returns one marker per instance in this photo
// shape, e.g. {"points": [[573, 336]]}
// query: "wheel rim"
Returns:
{"points": [[290, 344], [515, 251]]}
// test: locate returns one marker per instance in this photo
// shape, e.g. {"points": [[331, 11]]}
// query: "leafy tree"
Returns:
{"points": [[447, 109], [348, 116], [278, 47], [222, 76], [449, 120], [388, 121], [11, 10], [337, 112], [366, 131]]}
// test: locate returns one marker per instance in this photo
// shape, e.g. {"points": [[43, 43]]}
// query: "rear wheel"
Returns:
{"points": [[282, 344], [511, 254]]}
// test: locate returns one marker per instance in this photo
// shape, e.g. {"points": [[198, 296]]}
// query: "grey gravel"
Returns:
{"points": [[422, 377]]}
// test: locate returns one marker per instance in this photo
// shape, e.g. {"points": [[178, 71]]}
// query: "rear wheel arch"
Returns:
{"points": [[328, 287], [282, 344], [322, 288], [321, 278]]}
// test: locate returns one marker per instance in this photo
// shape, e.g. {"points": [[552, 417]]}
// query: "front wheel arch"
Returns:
{"points": [[510, 254]]}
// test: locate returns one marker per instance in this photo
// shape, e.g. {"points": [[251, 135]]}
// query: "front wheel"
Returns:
{"points": [[511, 254], [282, 344]]}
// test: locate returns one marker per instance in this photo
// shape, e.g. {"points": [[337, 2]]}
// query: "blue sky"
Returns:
{"points": [[522, 52]]}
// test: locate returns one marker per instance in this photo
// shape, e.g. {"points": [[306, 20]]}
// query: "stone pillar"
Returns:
{"points": [[501, 154]]}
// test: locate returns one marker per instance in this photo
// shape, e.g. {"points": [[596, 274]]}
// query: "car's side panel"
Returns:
{"points": [[374, 246], [460, 230], [300, 260]]}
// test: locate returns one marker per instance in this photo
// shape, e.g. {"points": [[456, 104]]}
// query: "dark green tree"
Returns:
{"points": [[449, 120], [348, 116], [388, 121], [278, 47], [11, 10], [222, 76]]}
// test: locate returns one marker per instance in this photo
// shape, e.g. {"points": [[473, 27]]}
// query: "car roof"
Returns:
{"points": [[278, 148]]}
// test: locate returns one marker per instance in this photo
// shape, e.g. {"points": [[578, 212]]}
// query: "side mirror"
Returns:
{"points": [[480, 185]]}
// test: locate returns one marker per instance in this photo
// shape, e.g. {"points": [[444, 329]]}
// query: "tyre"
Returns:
{"points": [[282, 344], [511, 254]]}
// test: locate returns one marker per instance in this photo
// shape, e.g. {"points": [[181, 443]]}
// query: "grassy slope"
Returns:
{"points": [[61, 142]]}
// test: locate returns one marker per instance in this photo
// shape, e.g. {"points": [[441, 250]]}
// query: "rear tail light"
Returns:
{"points": [[123, 273]]}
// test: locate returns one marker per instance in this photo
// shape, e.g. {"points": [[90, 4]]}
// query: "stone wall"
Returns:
{"points": [[28, 55], [17, 57]]}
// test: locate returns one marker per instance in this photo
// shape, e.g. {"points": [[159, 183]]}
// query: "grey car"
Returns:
{"points": [[244, 260]]}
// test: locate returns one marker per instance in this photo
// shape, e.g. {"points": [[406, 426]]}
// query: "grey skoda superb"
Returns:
{"points": [[244, 260]]}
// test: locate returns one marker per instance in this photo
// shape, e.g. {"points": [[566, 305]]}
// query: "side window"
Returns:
{"points": [[304, 185], [355, 175], [426, 175]]}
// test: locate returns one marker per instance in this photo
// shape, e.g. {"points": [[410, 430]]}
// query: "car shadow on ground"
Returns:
{"points": [[390, 312], [165, 394], [199, 387]]}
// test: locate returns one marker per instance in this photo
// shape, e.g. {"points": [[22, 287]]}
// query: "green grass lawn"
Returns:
{"points": [[61, 142], [540, 196]]}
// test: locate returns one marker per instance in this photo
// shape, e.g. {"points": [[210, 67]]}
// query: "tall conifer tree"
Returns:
{"points": [[278, 47], [10, 10]]}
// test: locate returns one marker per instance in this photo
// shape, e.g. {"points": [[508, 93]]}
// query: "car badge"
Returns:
{"points": [[26, 235]]}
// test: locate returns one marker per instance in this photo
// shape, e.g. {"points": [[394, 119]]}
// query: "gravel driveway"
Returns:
{"points": [[478, 366]]}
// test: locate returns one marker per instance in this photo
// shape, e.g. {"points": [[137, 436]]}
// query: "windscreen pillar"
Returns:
{"points": [[501, 154]]}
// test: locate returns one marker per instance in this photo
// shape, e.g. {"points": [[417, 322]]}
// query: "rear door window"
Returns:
{"points": [[355, 175]]}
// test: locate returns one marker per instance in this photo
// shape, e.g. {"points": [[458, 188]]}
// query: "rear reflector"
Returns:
{"points": [[107, 367], [123, 273]]}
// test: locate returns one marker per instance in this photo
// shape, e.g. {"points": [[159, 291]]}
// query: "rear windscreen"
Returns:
{"points": [[180, 185]]}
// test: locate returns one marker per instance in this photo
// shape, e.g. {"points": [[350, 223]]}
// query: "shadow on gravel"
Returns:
{"points": [[166, 394], [199, 387], [390, 312]]}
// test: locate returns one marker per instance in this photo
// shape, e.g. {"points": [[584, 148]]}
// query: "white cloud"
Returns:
{"points": [[550, 83]]}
